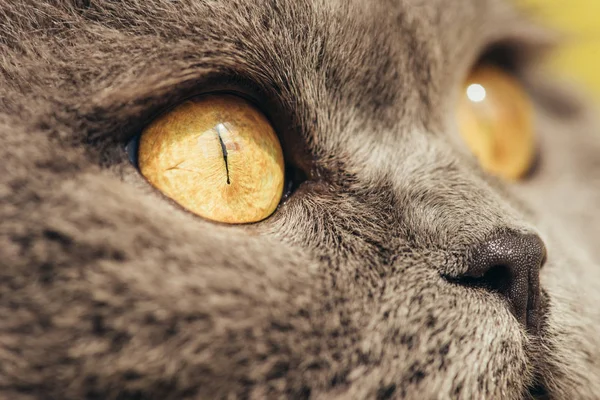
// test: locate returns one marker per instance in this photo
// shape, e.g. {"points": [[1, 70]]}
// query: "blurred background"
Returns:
{"points": [[579, 22]]}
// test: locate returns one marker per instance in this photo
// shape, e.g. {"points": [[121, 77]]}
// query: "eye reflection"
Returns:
{"points": [[476, 93]]}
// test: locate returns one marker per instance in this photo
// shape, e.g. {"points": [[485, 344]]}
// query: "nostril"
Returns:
{"points": [[497, 279]]}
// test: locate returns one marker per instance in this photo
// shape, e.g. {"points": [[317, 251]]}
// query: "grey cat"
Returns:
{"points": [[371, 280]]}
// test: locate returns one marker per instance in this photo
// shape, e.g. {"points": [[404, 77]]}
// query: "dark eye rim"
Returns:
{"points": [[131, 148], [503, 55], [293, 176]]}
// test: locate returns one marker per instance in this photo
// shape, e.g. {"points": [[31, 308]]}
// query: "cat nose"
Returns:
{"points": [[510, 264]]}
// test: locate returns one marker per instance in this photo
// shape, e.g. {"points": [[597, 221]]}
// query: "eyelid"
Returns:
{"points": [[155, 112], [129, 109]]}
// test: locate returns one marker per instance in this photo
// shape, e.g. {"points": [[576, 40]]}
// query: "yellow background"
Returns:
{"points": [[579, 22]]}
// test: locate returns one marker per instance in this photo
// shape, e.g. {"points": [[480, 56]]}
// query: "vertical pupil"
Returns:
{"points": [[221, 128]]}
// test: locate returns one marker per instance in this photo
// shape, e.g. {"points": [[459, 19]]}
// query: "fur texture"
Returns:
{"points": [[108, 291]]}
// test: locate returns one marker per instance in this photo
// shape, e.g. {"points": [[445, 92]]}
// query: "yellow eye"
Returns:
{"points": [[495, 121], [217, 156]]}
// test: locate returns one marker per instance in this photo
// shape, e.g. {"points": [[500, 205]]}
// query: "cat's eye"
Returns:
{"points": [[217, 156], [495, 121]]}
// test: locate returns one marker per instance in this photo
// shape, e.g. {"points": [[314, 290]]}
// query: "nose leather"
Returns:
{"points": [[510, 265]]}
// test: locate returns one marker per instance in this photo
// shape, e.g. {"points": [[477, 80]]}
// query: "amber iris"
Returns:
{"points": [[495, 121], [217, 156]]}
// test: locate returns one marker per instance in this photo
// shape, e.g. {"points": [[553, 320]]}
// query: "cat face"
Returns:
{"points": [[378, 275]]}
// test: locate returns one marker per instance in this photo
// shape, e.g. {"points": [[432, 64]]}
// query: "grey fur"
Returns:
{"points": [[108, 291]]}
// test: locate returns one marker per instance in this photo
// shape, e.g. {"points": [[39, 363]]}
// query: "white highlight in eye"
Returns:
{"points": [[220, 128], [476, 93]]}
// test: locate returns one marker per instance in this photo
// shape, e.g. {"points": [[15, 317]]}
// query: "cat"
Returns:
{"points": [[359, 284]]}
